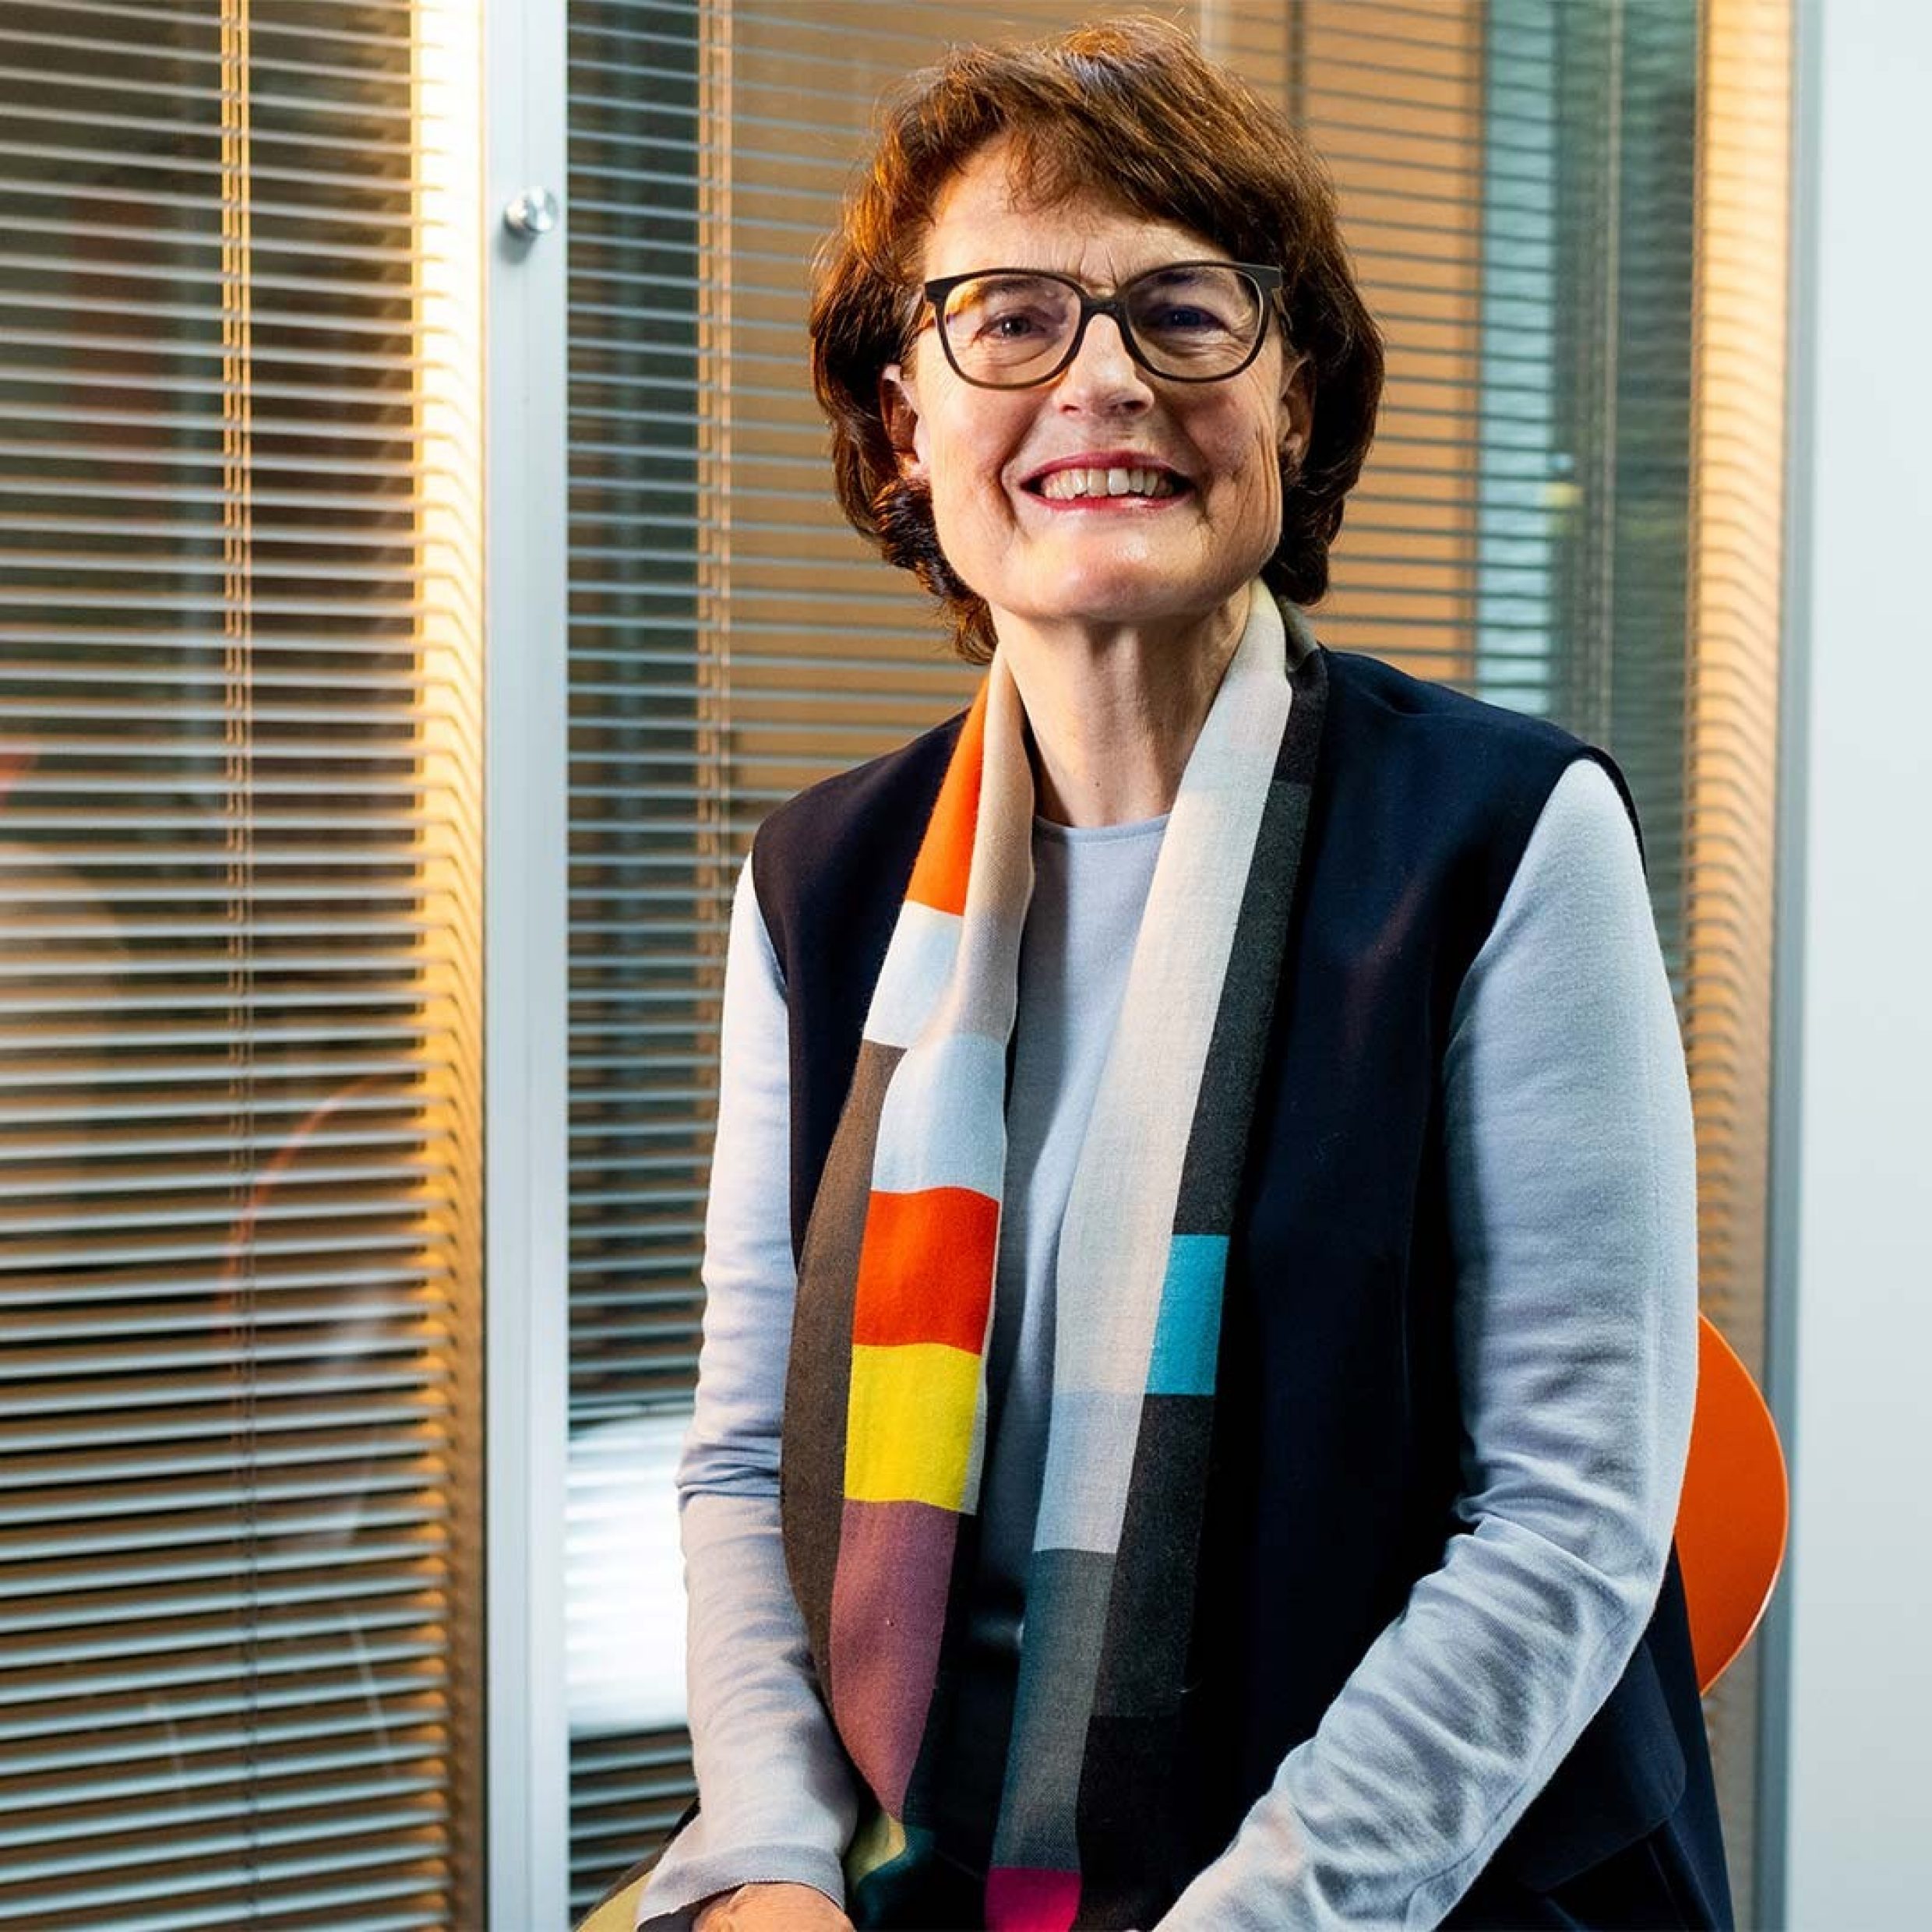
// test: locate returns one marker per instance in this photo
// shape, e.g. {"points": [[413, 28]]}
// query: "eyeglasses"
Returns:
{"points": [[1190, 321]]}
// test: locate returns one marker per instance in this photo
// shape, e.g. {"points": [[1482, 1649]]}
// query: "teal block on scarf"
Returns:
{"points": [[1187, 1330]]}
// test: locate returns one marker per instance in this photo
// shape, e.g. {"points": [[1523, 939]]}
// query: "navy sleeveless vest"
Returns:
{"points": [[1337, 1430]]}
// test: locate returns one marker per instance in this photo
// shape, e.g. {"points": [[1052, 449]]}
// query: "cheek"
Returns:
{"points": [[966, 468], [971, 515], [964, 501], [1268, 479], [1259, 473], [1243, 445]]}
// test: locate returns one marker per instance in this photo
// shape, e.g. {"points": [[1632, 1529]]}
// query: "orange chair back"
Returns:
{"points": [[1735, 1513]]}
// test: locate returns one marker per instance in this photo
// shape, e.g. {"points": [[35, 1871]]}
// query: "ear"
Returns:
{"points": [[899, 410], [1298, 407]]}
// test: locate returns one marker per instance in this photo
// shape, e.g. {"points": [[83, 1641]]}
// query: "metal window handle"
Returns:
{"points": [[533, 213]]}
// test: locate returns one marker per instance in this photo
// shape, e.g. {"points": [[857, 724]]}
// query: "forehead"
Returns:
{"points": [[981, 220]]}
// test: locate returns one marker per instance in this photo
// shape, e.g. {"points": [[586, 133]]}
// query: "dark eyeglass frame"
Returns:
{"points": [[1267, 280]]}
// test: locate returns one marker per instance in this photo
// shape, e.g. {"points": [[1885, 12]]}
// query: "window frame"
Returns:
{"points": [[526, 992]]}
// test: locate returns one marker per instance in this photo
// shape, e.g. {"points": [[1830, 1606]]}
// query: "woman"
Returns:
{"points": [[1227, 1324]]}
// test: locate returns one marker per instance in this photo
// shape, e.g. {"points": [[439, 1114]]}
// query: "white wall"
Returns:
{"points": [[1852, 1346]]}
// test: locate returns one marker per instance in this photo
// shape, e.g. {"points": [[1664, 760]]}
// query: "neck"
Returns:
{"points": [[1114, 711]]}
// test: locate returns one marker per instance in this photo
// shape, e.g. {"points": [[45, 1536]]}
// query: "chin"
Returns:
{"points": [[1117, 598]]}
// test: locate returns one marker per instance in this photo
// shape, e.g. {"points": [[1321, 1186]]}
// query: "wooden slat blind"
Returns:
{"points": [[1731, 685], [239, 922]]}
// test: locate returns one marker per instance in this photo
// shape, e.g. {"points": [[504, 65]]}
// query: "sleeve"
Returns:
{"points": [[1572, 1178], [777, 1800]]}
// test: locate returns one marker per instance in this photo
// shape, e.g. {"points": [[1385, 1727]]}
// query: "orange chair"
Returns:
{"points": [[1735, 1512]]}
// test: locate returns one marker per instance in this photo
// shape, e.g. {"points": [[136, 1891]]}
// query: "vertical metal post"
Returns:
{"points": [[526, 977]]}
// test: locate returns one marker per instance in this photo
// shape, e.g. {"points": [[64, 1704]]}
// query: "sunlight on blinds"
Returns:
{"points": [[1735, 620], [1393, 98], [240, 1114]]}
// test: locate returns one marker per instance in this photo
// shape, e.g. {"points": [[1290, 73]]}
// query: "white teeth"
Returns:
{"points": [[1063, 485]]}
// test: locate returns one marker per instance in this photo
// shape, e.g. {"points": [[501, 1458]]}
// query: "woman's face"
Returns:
{"points": [[1032, 551]]}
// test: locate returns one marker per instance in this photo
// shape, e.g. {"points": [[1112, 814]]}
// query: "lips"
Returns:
{"points": [[1105, 475]]}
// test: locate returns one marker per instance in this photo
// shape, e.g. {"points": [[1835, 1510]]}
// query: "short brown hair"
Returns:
{"points": [[1131, 110]]}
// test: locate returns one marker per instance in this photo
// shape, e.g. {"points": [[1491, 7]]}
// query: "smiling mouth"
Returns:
{"points": [[1089, 486]]}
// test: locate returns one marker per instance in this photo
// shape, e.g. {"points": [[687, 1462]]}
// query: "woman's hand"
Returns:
{"points": [[778, 1908]]}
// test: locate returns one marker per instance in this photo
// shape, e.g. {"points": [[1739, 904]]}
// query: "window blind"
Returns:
{"points": [[239, 1110], [1731, 684], [1520, 181]]}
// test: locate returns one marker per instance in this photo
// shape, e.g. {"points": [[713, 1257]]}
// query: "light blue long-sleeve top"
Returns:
{"points": [[1571, 1169]]}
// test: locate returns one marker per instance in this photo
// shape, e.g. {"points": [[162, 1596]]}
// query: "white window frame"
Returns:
{"points": [[526, 995]]}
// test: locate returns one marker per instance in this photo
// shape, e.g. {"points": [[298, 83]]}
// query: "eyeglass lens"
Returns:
{"points": [[1197, 320]]}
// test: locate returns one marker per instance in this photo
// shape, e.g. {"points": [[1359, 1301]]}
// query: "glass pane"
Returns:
{"points": [[1518, 180], [239, 839]]}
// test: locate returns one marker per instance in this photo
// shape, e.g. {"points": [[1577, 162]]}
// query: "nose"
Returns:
{"points": [[1102, 376]]}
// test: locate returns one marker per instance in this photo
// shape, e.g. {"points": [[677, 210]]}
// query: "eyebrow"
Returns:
{"points": [[1187, 264]]}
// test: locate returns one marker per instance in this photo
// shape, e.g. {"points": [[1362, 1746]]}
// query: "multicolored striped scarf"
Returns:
{"points": [[885, 1426]]}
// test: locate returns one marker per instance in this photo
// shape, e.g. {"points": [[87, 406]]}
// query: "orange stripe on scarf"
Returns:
{"points": [[946, 853], [925, 1269]]}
